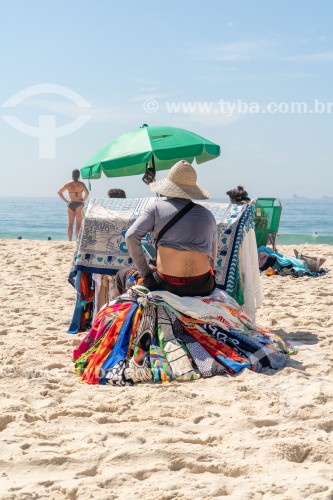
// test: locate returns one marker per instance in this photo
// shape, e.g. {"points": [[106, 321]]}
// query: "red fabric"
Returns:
{"points": [[92, 372], [87, 293], [213, 346], [179, 280]]}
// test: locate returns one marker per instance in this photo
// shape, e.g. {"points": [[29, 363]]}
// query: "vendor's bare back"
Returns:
{"points": [[181, 263]]}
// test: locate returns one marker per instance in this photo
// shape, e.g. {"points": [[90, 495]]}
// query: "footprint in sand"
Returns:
{"points": [[87, 472], [265, 423], [297, 453], [5, 420], [53, 366], [25, 446], [215, 468], [326, 426], [141, 475]]}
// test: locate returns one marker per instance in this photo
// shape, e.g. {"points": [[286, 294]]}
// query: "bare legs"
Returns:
{"points": [[74, 217], [78, 214], [71, 218]]}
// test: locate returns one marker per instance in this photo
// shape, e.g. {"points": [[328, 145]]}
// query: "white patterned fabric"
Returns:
{"points": [[250, 275], [179, 362]]}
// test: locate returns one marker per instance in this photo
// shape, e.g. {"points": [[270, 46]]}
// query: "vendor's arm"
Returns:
{"points": [[143, 225], [214, 259]]}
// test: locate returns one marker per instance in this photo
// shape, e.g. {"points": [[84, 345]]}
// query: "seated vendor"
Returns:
{"points": [[186, 250]]}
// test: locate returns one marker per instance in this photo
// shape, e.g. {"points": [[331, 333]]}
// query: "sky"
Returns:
{"points": [[76, 74]]}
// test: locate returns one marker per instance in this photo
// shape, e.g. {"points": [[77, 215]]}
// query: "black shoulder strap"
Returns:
{"points": [[173, 221]]}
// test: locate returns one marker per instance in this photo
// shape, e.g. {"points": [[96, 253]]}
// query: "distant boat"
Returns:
{"points": [[295, 197], [327, 197]]}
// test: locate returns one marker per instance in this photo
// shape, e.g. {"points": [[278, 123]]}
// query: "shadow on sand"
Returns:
{"points": [[298, 338]]}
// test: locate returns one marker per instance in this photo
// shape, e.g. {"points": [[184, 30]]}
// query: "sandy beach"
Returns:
{"points": [[253, 436]]}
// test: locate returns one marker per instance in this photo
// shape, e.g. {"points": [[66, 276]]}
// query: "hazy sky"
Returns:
{"points": [[118, 56]]}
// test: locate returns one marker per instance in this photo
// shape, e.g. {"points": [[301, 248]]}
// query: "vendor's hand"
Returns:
{"points": [[133, 273], [153, 268]]}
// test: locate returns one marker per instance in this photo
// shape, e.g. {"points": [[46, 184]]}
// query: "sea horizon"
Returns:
{"points": [[295, 197], [303, 220]]}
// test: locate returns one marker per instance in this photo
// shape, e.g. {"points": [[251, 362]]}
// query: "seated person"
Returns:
{"points": [[238, 195], [116, 193], [186, 252]]}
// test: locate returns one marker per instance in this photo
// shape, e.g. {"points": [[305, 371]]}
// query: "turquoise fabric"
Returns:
{"points": [[283, 261]]}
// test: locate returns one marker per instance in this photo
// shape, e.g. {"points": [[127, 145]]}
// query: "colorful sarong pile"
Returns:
{"points": [[159, 337]]}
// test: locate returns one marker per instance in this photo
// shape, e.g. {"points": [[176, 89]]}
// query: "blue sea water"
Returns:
{"points": [[33, 218], [303, 220]]}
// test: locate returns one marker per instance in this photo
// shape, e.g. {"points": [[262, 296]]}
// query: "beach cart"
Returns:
{"points": [[267, 214]]}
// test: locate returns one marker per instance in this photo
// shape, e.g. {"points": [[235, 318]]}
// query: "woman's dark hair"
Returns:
{"points": [[76, 174], [238, 195], [116, 193]]}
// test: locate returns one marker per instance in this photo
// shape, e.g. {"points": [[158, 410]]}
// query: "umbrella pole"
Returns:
{"points": [[90, 175], [150, 172]]}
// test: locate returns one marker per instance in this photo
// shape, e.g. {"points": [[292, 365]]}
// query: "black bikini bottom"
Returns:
{"points": [[202, 285], [73, 205]]}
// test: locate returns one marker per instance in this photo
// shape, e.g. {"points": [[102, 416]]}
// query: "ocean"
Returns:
{"points": [[303, 220]]}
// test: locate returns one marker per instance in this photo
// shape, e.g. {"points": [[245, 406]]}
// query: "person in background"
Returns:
{"points": [[78, 194], [238, 195], [186, 250], [116, 193]]}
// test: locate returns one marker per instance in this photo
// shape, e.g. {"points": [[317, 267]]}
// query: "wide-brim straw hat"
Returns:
{"points": [[181, 182]]}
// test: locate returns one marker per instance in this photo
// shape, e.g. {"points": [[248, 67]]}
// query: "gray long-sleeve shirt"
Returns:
{"points": [[195, 231]]}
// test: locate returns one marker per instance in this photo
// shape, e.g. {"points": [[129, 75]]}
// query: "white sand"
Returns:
{"points": [[249, 437]]}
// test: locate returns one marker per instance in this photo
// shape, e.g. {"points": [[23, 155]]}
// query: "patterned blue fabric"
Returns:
{"points": [[74, 327], [232, 225], [283, 261]]}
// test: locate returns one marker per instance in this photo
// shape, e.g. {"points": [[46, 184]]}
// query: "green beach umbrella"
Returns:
{"points": [[157, 147]]}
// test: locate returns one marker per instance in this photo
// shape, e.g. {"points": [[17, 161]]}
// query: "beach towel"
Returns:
{"points": [[299, 266]]}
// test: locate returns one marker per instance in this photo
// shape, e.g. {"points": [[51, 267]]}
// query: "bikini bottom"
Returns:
{"points": [[190, 286], [73, 205], [201, 285]]}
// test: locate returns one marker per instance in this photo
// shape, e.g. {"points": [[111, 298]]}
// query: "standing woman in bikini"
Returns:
{"points": [[75, 203]]}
